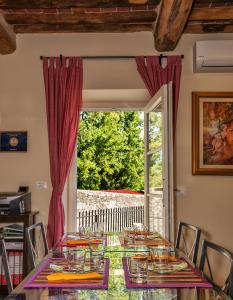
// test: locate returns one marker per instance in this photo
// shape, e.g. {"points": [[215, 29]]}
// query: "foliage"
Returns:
{"points": [[110, 151], [155, 146]]}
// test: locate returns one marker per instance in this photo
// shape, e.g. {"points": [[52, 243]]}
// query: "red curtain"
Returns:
{"points": [[154, 76], [63, 79]]}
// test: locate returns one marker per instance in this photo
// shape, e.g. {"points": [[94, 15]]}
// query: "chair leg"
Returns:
{"points": [[6, 267]]}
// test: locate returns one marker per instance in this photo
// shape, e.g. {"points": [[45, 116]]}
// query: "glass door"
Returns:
{"points": [[159, 163]]}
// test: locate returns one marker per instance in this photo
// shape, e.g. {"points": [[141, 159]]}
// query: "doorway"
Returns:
{"points": [[157, 188]]}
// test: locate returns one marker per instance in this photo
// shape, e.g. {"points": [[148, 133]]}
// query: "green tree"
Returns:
{"points": [[110, 151], [155, 143]]}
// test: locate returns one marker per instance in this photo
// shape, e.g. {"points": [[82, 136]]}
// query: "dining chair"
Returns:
{"points": [[229, 288], [188, 238], [5, 265], [223, 254], [36, 242]]}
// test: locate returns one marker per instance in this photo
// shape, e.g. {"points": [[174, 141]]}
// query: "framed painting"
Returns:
{"points": [[13, 141], [212, 133]]}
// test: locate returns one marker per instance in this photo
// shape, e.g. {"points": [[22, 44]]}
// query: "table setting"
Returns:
{"points": [[85, 237], [141, 272], [78, 262], [158, 267], [102, 270], [139, 235]]}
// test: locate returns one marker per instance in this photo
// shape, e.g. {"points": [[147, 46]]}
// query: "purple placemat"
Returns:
{"points": [[102, 284], [168, 280]]}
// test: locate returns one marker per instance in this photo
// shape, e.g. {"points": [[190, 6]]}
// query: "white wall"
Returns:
{"points": [[208, 200]]}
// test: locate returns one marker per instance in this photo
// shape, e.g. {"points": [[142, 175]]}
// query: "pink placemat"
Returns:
{"points": [[186, 278], [39, 280]]}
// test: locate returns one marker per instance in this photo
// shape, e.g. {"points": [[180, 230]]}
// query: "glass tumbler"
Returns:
{"points": [[81, 231], [88, 232], [141, 231], [138, 268], [162, 256], [128, 235], [97, 253], [99, 229], [76, 259], [153, 254], [97, 260]]}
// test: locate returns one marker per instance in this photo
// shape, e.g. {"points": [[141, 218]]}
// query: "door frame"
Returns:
{"points": [[154, 101], [71, 189], [168, 188]]}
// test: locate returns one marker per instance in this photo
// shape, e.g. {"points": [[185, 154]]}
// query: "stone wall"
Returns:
{"points": [[89, 200]]}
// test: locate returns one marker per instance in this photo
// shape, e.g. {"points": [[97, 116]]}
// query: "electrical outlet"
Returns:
{"points": [[41, 185]]}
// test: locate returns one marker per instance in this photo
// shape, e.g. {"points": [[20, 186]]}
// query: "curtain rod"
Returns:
{"points": [[114, 57]]}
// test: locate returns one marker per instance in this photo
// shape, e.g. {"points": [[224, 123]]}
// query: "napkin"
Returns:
{"points": [[82, 242], [73, 276]]}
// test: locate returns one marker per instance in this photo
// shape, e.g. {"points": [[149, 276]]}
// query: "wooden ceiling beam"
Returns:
{"points": [[170, 24], [83, 18], [80, 28], [212, 13], [22, 4], [7, 37]]}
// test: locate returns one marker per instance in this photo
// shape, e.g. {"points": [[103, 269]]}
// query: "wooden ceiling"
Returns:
{"points": [[167, 19]]}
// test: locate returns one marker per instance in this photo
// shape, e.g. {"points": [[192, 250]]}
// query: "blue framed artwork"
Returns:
{"points": [[13, 141]]}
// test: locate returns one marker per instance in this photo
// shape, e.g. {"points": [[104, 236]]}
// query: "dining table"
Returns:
{"points": [[115, 252]]}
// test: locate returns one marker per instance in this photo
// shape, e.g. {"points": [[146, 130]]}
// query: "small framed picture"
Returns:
{"points": [[212, 133], [13, 141]]}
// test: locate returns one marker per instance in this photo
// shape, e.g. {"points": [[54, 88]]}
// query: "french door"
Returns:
{"points": [[159, 162]]}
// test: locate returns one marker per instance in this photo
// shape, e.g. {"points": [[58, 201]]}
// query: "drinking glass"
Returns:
{"points": [[153, 254], [128, 235], [88, 232], [141, 231], [99, 229], [162, 255], [138, 268], [97, 260], [81, 231], [97, 253], [97, 247], [76, 259], [159, 257], [172, 253]]}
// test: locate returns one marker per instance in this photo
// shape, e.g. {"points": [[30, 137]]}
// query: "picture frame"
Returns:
{"points": [[212, 133], [13, 141]]}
